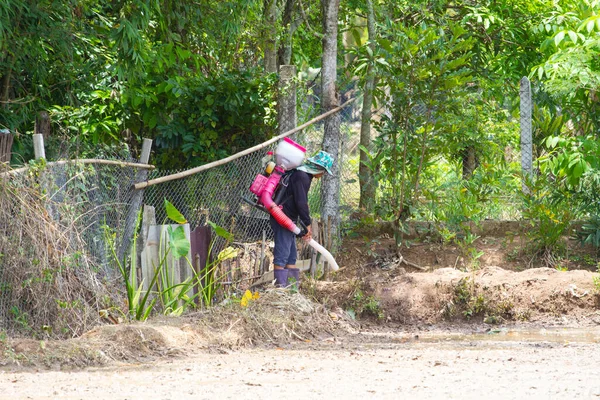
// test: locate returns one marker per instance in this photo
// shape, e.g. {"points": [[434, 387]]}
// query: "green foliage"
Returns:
{"points": [[590, 232], [549, 213], [197, 120], [362, 305], [596, 283], [139, 302], [137, 68], [471, 302], [427, 75], [570, 72], [174, 296], [37, 65], [569, 158]]}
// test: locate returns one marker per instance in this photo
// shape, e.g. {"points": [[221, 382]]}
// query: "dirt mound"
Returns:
{"points": [[275, 317], [492, 294], [429, 283]]}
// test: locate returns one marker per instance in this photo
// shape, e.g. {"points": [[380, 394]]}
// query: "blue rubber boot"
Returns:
{"points": [[281, 277], [293, 278]]}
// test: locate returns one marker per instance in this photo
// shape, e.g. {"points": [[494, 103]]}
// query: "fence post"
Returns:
{"points": [[136, 202], [526, 142], [42, 124], [38, 146], [287, 117], [6, 141]]}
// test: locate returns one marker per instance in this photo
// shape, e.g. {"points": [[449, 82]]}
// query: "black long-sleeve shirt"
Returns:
{"points": [[295, 198]]}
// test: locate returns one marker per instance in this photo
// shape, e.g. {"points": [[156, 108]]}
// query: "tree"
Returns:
{"points": [[365, 174], [331, 137]]}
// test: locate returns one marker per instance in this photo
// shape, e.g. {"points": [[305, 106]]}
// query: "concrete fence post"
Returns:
{"points": [[526, 131]]}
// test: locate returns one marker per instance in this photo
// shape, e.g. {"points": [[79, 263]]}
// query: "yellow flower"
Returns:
{"points": [[246, 298]]}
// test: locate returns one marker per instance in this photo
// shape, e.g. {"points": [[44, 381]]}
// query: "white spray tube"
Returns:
{"points": [[332, 264]]}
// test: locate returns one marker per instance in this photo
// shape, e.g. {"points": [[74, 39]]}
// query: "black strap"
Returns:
{"points": [[281, 188]]}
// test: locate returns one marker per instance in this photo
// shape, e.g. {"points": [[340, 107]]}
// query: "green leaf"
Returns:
{"points": [[178, 242], [573, 36], [173, 213], [552, 141], [382, 61], [385, 44], [590, 25], [559, 37], [356, 36], [578, 169], [220, 231]]}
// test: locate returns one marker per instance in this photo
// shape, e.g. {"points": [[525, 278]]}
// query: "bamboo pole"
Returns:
{"points": [[83, 161], [183, 174]]}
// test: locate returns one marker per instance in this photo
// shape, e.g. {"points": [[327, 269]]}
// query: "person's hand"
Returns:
{"points": [[308, 235]]}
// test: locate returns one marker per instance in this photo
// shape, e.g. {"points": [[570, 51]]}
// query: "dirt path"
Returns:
{"points": [[371, 365]]}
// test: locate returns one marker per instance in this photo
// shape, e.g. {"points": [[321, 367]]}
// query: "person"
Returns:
{"points": [[295, 206]]}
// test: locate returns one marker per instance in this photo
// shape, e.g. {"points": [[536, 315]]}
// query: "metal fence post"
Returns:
{"points": [[526, 128]]}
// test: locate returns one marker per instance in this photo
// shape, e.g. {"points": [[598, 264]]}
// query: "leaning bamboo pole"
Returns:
{"points": [[183, 174], [83, 161]]}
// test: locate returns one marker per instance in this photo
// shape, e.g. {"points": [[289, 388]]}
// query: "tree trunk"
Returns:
{"points": [[365, 174], [330, 195], [469, 162], [289, 25], [43, 124], [270, 35], [5, 84]]}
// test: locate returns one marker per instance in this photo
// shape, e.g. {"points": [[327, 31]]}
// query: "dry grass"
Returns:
{"points": [[48, 288], [277, 318]]}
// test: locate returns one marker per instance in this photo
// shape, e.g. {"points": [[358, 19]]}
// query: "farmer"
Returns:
{"points": [[295, 206]]}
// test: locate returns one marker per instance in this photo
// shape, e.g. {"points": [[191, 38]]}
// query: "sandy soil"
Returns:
{"points": [[388, 365]]}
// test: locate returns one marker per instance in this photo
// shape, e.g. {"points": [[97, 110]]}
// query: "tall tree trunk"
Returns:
{"points": [[365, 174], [270, 35], [289, 25], [330, 190]]}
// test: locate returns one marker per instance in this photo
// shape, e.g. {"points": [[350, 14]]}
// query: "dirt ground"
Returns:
{"points": [[429, 323], [367, 365]]}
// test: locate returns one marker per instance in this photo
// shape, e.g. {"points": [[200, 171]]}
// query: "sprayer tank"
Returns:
{"points": [[289, 154]]}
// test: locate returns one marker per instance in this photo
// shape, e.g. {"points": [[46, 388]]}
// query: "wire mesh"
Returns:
{"points": [[91, 201], [54, 223]]}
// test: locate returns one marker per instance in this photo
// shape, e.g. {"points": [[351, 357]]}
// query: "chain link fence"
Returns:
{"points": [[55, 259], [87, 203], [81, 210]]}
